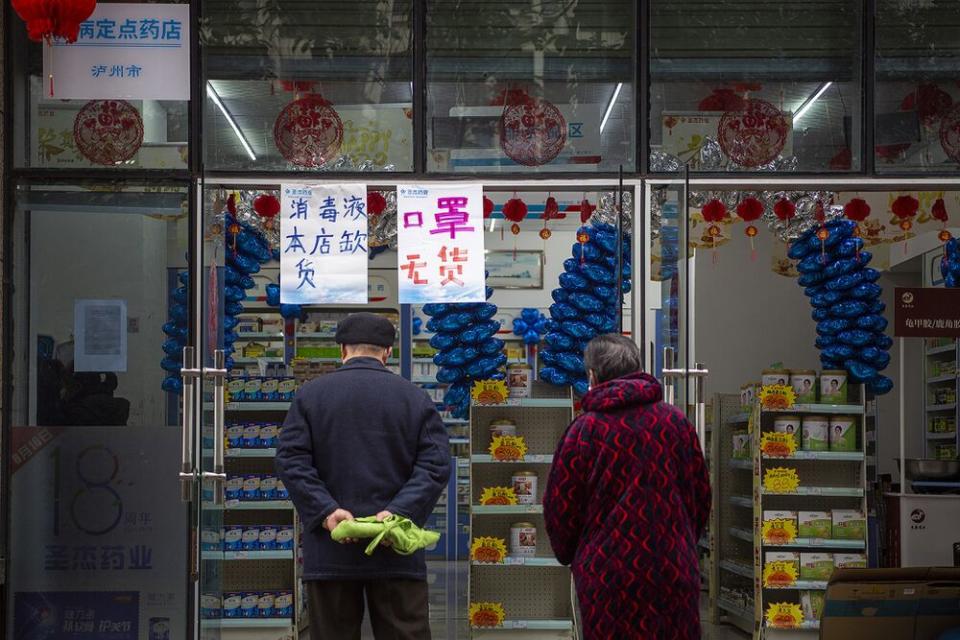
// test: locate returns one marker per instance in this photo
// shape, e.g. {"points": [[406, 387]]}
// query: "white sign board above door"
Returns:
{"points": [[125, 51]]}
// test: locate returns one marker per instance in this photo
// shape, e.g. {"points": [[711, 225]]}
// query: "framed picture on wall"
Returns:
{"points": [[515, 269]]}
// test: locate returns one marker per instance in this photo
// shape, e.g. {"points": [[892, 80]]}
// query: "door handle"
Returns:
{"points": [[217, 374], [188, 375], [699, 375]]}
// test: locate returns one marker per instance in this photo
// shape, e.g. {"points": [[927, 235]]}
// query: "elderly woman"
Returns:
{"points": [[627, 499]]}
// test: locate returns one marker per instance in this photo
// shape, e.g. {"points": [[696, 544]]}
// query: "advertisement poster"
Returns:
{"points": [[440, 243], [323, 234], [125, 51], [100, 534], [100, 335]]}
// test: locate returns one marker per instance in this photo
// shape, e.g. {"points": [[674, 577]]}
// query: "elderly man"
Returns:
{"points": [[362, 441]]}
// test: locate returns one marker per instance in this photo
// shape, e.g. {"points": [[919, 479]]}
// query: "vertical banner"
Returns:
{"points": [[440, 243], [323, 233]]}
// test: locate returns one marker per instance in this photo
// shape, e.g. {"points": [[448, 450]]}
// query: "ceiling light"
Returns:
{"points": [[613, 100], [212, 94], [809, 103]]}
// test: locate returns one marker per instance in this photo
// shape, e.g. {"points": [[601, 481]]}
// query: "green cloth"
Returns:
{"points": [[404, 536]]}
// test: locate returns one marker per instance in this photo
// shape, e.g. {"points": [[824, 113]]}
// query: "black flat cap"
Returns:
{"points": [[366, 328]]}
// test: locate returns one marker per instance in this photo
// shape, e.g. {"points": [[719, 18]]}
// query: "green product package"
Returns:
{"points": [[816, 566], [814, 524], [848, 524], [843, 433], [405, 537]]}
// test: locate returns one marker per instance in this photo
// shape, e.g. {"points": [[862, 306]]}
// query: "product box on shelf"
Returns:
{"points": [[790, 516], [231, 604], [811, 603], [249, 604], [285, 538], [210, 606], [791, 557], [250, 540], [843, 433], [816, 566], [814, 524], [848, 524], [233, 488], [233, 538], [211, 540], [850, 560], [741, 445], [816, 433]]}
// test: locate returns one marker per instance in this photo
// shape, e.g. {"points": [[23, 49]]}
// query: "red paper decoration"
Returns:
{"points": [[232, 204], [950, 133], [108, 132], [533, 132], [857, 210], [376, 203], [586, 210], [487, 207], [722, 100], [784, 209], [905, 207], [754, 135], [929, 101], [551, 210], [266, 205], [750, 209], [48, 19], [714, 211], [308, 132], [939, 211], [515, 210]]}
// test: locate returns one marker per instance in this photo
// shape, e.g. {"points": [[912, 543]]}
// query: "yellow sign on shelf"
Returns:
{"points": [[778, 445], [498, 496], [486, 614], [777, 396], [488, 549], [487, 392], [779, 531], [508, 448], [781, 480], [784, 615], [779, 574]]}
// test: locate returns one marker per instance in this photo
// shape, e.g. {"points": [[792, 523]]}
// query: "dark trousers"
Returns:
{"points": [[399, 609]]}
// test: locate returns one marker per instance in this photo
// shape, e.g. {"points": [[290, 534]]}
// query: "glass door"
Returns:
{"points": [[245, 526]]}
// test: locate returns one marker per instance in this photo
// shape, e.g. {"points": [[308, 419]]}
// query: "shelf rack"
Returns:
{"points": [[536, 592], [941, 416]]}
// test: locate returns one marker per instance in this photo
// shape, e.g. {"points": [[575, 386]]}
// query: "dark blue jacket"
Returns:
{"points": [[366, 440]]}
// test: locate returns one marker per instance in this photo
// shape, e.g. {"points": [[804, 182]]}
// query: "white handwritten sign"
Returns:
{"points": [[440, 243], [323, 244]]}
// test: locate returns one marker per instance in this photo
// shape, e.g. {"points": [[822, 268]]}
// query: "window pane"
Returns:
{"points": [[918, 101], [746, 85], [51, 132], [291, 86], [528, 86]]}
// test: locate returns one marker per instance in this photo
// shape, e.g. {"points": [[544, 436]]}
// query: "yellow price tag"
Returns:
{"points": [[777, 396], [486, 392], [498, 496], [508, 448], [779, 574], [778, 445], [488, 549], [784, 615], [486, 614], [779, 531], [781, 480]]}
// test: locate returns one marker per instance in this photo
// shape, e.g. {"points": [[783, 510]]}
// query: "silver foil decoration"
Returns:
{"points": [[383, 228], [606, 212]]}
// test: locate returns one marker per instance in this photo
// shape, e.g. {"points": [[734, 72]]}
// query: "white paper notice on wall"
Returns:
{"points": [[100, 335], [323, 244], [124, 51], [440, 243]]}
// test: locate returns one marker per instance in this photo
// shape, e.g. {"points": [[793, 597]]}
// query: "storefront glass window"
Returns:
{"points": [[541, 87], [918, 100], [748, 86], [290, 86]]}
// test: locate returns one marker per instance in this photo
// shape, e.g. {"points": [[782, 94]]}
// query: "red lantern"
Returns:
{"points": [[784, 210], [750, 209], [713, 212], [929, 101], [939, 212], [487, 207], [266, 205], [586, 210], [376, 203], [232, 204], [515, 210], [857, 210], [47, 19], [905, 208]]}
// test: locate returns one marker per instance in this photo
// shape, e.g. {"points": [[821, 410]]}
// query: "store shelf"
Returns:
{"points": [[250, 453], [741, 463], [259, 505], [531, 625], [520, 562], [742, 534], [247, 555], [852, 492], [505, 509], [242, 360], [803, 585], [459, 440], [941, 407], [247, 623], [260, 335], [323, 335], [739, 418], [945, 435], [851, 456], [820, 543], [820, 408], [528, 459], [734, 609], [737, 568], [950, 348], [947, 378], [741, 501], [806, 625], [562, 403]]}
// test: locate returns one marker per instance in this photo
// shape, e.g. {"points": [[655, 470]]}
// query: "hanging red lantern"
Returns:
{"points": [[515, 210], [750, 210], [939, 212], [714, 212], [376, 203], [551, 211], [487, 207], [266, 205], [784, 210], [48, 19], [232, 204], [857, 210], [905, 208], [929, 101], [308, 132], [586, 210]]}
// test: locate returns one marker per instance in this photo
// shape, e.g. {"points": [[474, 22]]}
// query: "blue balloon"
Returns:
{"points": [[598, 274], [870, 275], [825, 341], [814, 291], [820, 313], [560, 295], [588, 252], [233, 294], [577, 329], [417, 325], [171, 363], [811, 264], [872, 323], [541, 326], [435, 309], [563, 311], [883, 342], [606, 240], [811, 279], [855, 337], [586, 302], [848, 309], [839, 352], [559, 341], [229, 337], [865, 291], [832, 326], [799, 250], [175, 330], [253, 247], [233, 308], [570, 362], [571, 265], [231, 322], [243, 264], [184, 278], [875, 357], [492, 346], [827, 299], [860, 372], [880, 385], [581, 387], [449, 374], [530, 316], [607, 294], [180, 314], [442, 341], [531, 337], [849, 247], [174, 346], [554, 376], [172, 384], [844, 282], [290, 311], [574, 282], [273, 294], [842, 267]]}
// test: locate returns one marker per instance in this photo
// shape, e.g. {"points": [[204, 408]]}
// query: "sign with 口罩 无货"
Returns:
{"points": [[323, 244], [440, 243], [128, 51]]}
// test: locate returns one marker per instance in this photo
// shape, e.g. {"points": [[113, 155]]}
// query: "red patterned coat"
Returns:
{"points": [[627, 499]]}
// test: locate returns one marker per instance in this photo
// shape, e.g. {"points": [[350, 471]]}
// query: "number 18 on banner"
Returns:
{"points": [[440, 243]]}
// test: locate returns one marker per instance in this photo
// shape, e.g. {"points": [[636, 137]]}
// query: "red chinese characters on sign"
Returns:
{"points": [[452, 217], [754, 135], [413, 266], [450, 270]]}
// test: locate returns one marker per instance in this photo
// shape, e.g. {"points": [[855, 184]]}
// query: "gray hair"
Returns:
{"points": [[611, 356]]}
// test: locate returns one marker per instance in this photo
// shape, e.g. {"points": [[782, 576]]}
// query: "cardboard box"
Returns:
{"points": [[814, 524], [816, 566], [894, 604], [848, 524]]}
